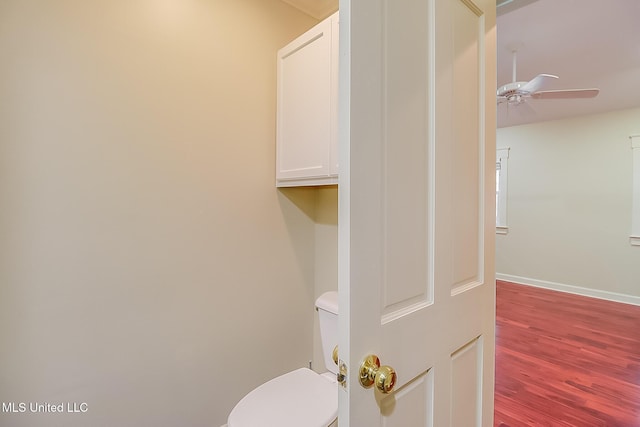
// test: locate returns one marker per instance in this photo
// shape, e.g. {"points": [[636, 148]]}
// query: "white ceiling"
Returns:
{"points": [[587, 43]]}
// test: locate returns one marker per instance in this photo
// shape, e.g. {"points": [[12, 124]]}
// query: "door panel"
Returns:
{"points": [[396, 409], [466, 384], [467, 141], [405, 152], [417, 152]]}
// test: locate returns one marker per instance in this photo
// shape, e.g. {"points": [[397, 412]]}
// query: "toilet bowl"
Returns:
{"points": [[295, 399], [300, 398]]}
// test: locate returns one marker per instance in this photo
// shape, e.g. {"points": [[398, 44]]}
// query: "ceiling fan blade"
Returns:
{"points": [[537, 83], [566, 94]]}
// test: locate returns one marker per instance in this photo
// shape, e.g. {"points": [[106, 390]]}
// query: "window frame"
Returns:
{"points": [[502, 177], [634, 238]]}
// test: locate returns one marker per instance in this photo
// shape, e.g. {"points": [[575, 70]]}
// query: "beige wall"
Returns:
{"points": [[148, 266], [569, 205], [326, 256], [321, 205]]}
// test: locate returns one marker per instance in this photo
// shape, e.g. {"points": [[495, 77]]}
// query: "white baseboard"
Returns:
{"points": [[586, 292]]}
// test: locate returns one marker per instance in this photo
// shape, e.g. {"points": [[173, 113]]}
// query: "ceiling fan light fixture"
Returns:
{"points": [[510, 89], [515, 99]]}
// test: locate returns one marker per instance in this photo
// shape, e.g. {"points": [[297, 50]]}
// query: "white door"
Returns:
{"points": [[416, 211]]}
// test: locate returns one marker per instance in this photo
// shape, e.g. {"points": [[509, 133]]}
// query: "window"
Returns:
{"points": [[635, 209], [502, 168]]}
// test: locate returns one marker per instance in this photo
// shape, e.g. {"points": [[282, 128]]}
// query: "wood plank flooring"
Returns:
{"points": [[565, 360]]}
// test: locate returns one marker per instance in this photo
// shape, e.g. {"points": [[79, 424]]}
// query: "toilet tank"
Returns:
{"points": [[327, 307]]}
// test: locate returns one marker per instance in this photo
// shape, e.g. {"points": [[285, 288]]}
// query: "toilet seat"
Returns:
{"points": [[298, 398]]}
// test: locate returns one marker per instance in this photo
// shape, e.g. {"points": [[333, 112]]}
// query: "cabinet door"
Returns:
{"points": [[304, 128]]}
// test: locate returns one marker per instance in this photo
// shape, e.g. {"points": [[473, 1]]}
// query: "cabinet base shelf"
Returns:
{"points": [[308, 182]]}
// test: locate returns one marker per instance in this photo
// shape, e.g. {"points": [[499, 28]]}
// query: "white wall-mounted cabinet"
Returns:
{"points": [[307, 108]]}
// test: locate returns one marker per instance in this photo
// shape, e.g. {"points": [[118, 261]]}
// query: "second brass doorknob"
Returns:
{"points": [[371, 373]]}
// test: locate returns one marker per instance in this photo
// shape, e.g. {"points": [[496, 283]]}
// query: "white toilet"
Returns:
{"points": [[300, 398]]}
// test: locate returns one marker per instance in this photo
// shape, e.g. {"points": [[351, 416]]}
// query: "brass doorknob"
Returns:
{"points": [[371, 373], [335, 355]]}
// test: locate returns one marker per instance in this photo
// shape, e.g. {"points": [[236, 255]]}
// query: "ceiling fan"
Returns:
{"points": [[516, 92]]}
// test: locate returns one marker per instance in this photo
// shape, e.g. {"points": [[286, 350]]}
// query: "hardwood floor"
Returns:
{"points": [[565, 360]]}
